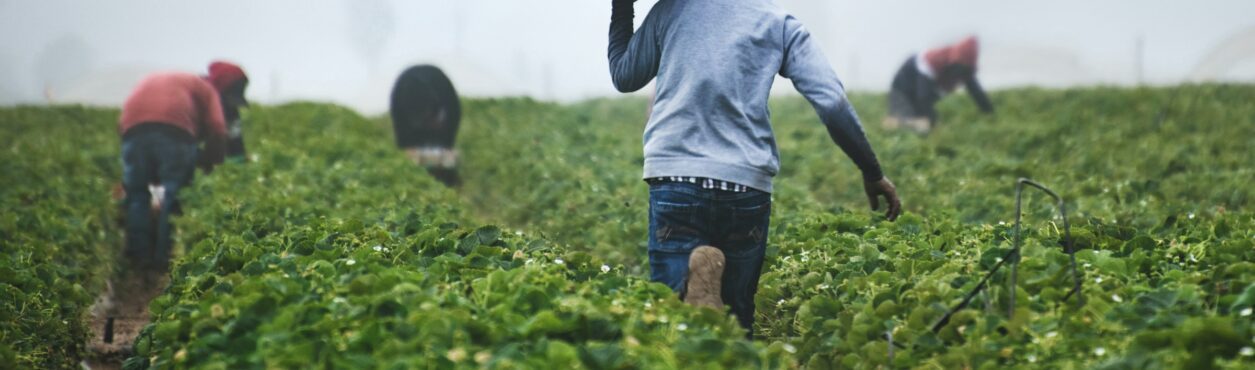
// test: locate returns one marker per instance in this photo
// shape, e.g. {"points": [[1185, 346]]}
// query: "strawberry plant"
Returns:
{"points": [[1160, 211], [57, 230], [331, 250]]}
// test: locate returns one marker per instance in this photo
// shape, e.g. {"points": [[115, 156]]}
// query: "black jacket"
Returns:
{"points": [[915, 95], [425, 109]]}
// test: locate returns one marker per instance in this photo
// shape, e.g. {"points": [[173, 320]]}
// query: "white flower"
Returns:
{"points": [[1052, 334], [1117, 298], [1098, 280], [559, 261], [648, 305], [823, 286], [1191, 215], [1002, 223], [790, 348], [529, 261], [350, 262], [1087, 265], [605, 268], [378, 248], [682, 327], [518, 232], [1100, 351], [1246, 311], [1247, 351], [1032, 358], [780, 303]]}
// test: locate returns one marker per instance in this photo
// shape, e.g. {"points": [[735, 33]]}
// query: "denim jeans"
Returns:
{"points": [[684, 216], [153, 157]]}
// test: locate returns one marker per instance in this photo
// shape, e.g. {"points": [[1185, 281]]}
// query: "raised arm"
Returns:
{"points": [[634, 57]]}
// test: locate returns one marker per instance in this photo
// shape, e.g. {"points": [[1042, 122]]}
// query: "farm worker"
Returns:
{"points": [[230, 81], [161, 124], [926, 77], [425, 117], [710, 154]]}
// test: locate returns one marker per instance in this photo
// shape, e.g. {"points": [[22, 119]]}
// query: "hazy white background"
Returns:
{"points": [[349, 51]]}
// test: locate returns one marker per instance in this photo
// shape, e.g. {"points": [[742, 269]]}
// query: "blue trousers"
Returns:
{"points": [[153, 157], [684, 216]]}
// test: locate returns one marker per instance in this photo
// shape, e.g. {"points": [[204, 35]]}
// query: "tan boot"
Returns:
{"points": [[705, 280], [891, 123], [918, 125]]}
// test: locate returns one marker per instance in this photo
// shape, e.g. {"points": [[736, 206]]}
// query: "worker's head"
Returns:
{"points": [[230, 81], [966, 52], [955, 63]]}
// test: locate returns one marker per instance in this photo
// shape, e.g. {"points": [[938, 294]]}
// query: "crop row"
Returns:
{"points": [[332, 250], [57, 230], [1161, 211]]}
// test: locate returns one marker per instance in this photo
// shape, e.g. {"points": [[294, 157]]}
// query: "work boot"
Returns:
{"points": [[891, 123], [705, 280], [918, 125]]}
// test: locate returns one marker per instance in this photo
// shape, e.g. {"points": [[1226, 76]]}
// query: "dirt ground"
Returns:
{"points": [[125, 300]]}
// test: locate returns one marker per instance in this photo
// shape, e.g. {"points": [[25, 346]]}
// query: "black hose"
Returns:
{"points": [[1013, 256]]}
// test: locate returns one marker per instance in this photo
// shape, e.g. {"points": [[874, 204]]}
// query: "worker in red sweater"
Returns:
{"points": [[162, 123], [927, 77]]}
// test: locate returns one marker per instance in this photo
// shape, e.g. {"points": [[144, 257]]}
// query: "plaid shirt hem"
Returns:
{"points": [[706, 183]]}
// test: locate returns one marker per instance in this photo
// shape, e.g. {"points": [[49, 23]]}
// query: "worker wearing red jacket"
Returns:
{"points": [[927, 77], [162, 123]]}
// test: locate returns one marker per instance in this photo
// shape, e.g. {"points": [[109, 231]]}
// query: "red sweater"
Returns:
{"points": [[182, 100]]}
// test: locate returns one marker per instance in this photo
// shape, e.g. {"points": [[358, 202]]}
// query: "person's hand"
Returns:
{"points": [[885, 188]]}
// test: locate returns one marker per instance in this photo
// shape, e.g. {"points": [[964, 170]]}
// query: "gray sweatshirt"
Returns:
{"points": [[715, 61]]}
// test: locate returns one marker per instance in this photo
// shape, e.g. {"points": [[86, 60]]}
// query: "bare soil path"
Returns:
{"points": [[118, 316]]}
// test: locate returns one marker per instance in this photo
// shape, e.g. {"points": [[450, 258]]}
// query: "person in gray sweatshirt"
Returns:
{"points": [[710, 154]]}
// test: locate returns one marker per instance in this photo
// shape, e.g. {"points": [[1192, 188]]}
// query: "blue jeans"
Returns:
{"points": [[684, 216], [153, 158]]}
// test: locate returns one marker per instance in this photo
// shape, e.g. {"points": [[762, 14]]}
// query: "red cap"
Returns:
{"points": [[223, 74], [964, 53]]}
